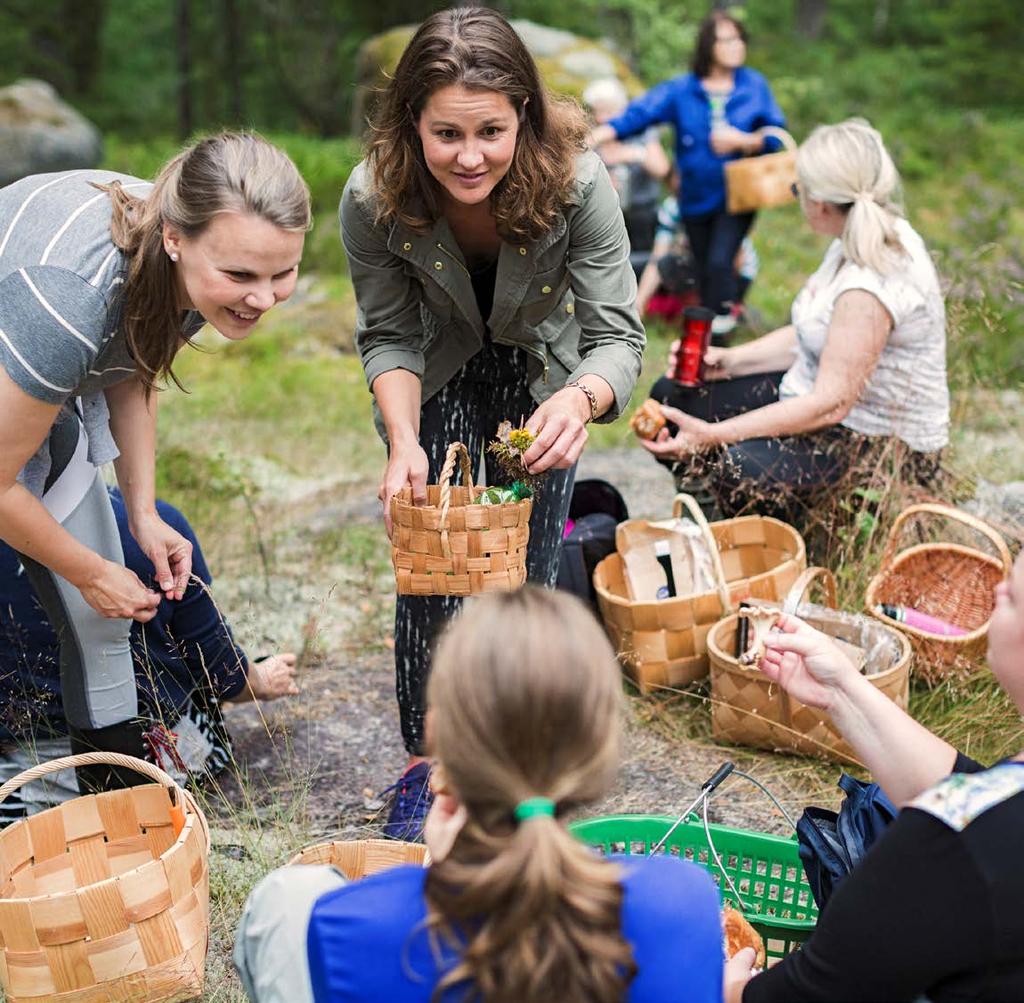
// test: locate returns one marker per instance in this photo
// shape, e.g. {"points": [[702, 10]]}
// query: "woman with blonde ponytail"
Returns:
{"points": [[103, 279], [523, 719], [785, 417]]}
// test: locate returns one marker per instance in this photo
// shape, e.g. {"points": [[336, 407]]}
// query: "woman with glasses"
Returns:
{"points": [[861, 365], [717, 112]]}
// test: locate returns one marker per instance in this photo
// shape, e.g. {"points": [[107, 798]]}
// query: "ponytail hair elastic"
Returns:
{"points": [[534, 808]]}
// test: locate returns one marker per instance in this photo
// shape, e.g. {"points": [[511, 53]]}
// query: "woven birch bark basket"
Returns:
{"points": [[664, 642], [359, 858], [452, 547], [105, 897], [747, 708]]}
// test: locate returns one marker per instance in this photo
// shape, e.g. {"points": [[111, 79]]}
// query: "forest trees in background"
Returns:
{"points": [[156, 67]]}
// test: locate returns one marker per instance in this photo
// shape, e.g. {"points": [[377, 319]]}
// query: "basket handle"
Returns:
{"points": [[800, 587], [688, 502], [780, 134], [150, 770], [955, 515], [455, 451]]}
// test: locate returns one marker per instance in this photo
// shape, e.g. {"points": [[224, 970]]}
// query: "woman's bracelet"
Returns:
{"points": [[591, 396]]}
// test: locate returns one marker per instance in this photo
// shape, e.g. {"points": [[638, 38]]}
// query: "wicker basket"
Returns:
{"points": [[950, 581], [451, 547], [105, 897], [763, 181], [358, 858], [747, 708], [664, 642]]}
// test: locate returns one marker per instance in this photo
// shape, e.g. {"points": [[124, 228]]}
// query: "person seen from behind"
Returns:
{"points": [[524, 722]]}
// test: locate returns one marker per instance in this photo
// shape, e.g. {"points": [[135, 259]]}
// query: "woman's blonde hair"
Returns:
{"points": [[848, 165], [474, 47], [229, 172], [525, 698]]}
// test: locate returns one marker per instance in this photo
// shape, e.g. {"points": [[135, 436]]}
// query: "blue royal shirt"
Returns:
{"points": [[367, 942], [174, 651], [683, 103]]}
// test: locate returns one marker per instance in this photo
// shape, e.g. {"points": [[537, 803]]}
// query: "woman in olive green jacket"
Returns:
{"points": [[492, 280]]}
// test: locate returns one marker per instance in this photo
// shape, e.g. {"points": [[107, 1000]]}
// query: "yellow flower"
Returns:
{"points": [[520, 439]]}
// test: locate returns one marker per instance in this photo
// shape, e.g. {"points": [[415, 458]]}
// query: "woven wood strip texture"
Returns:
{"points": [[482, 548], [664, 642], [101, 901], [359, 858], [747, 708]]}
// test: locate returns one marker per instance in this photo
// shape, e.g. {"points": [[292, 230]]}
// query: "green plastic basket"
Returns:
{"points": [[766, 869]]}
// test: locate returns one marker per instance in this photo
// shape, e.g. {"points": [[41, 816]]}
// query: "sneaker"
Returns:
{"points": [[412, 801], [723, 324]]}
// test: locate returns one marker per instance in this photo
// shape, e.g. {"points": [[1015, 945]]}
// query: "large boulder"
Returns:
{"points": [[40, 133], [567, 63]]}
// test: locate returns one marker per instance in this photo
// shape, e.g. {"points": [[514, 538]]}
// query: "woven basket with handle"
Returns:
{"points": [[105, 897], [747, 708], [664, 642], [762, 181], [951, 581], [452, 547], [358, 858]]}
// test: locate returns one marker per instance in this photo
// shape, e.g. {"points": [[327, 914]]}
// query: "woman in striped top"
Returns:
{"points": [[103, 278]]}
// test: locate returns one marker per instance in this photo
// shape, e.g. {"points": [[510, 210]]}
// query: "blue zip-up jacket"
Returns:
{"points": [[683, 103]]}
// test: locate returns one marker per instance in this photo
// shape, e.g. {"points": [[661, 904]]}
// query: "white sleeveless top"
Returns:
{"points": [[906, 395]]}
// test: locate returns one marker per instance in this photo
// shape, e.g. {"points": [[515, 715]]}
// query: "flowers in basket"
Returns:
{"points": [[508, 448]]}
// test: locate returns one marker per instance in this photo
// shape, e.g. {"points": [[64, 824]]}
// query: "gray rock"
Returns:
{"points": [[1001, 505], [39, 133]]}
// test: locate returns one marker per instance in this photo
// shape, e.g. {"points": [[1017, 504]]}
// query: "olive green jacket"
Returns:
{"points": [[568, 299]]}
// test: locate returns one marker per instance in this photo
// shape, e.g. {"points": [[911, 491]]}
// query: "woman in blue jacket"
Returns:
{"points": [[716, 111]]}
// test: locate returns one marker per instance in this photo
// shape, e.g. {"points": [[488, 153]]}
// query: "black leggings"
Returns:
{"points": [[715, 240], [490, 388], [776, 476]]}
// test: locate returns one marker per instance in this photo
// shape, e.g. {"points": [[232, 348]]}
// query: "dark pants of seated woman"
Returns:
{"points": [[772, 476], [490, 388], [715, 240]]}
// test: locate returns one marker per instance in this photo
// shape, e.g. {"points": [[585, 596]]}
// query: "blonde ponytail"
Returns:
{"points": [[524, 701], [848, 165]]}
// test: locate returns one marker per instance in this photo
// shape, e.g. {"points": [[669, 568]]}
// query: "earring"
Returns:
{"points": [[174, 256]]}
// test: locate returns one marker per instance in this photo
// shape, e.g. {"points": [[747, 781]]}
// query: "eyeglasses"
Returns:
{"points": [[728, 40], [794, 190]]}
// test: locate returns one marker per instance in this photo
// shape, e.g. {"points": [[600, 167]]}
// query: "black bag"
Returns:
{"points": [[832, 845], [596, 508]]}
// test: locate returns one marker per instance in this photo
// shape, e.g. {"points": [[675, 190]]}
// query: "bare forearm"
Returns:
{"points": [[399, 395], [770, 353], [794, 416], [904, 757], [26, 525]]}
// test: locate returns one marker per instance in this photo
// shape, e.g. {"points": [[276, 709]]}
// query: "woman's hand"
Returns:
{"points": [[443, 824], [738, 970], [407, 467], [560, 425], [728, 140], [115, 591], [805, 663], [717, 362], [269, 679], [169, 551], [692, 436]]}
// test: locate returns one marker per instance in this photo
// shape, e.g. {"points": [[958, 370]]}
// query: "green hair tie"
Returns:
{"points": [[534, 808]]}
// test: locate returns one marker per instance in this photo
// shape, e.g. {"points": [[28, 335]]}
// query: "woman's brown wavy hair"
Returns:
{"points": [[229, 172], [477, 48], [525, 701]]}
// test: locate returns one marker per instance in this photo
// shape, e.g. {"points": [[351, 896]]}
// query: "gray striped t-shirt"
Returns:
{"points": [[60, 281]]}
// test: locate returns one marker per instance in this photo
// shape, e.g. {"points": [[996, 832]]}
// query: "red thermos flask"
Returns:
{"points": [[694, 343]]}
